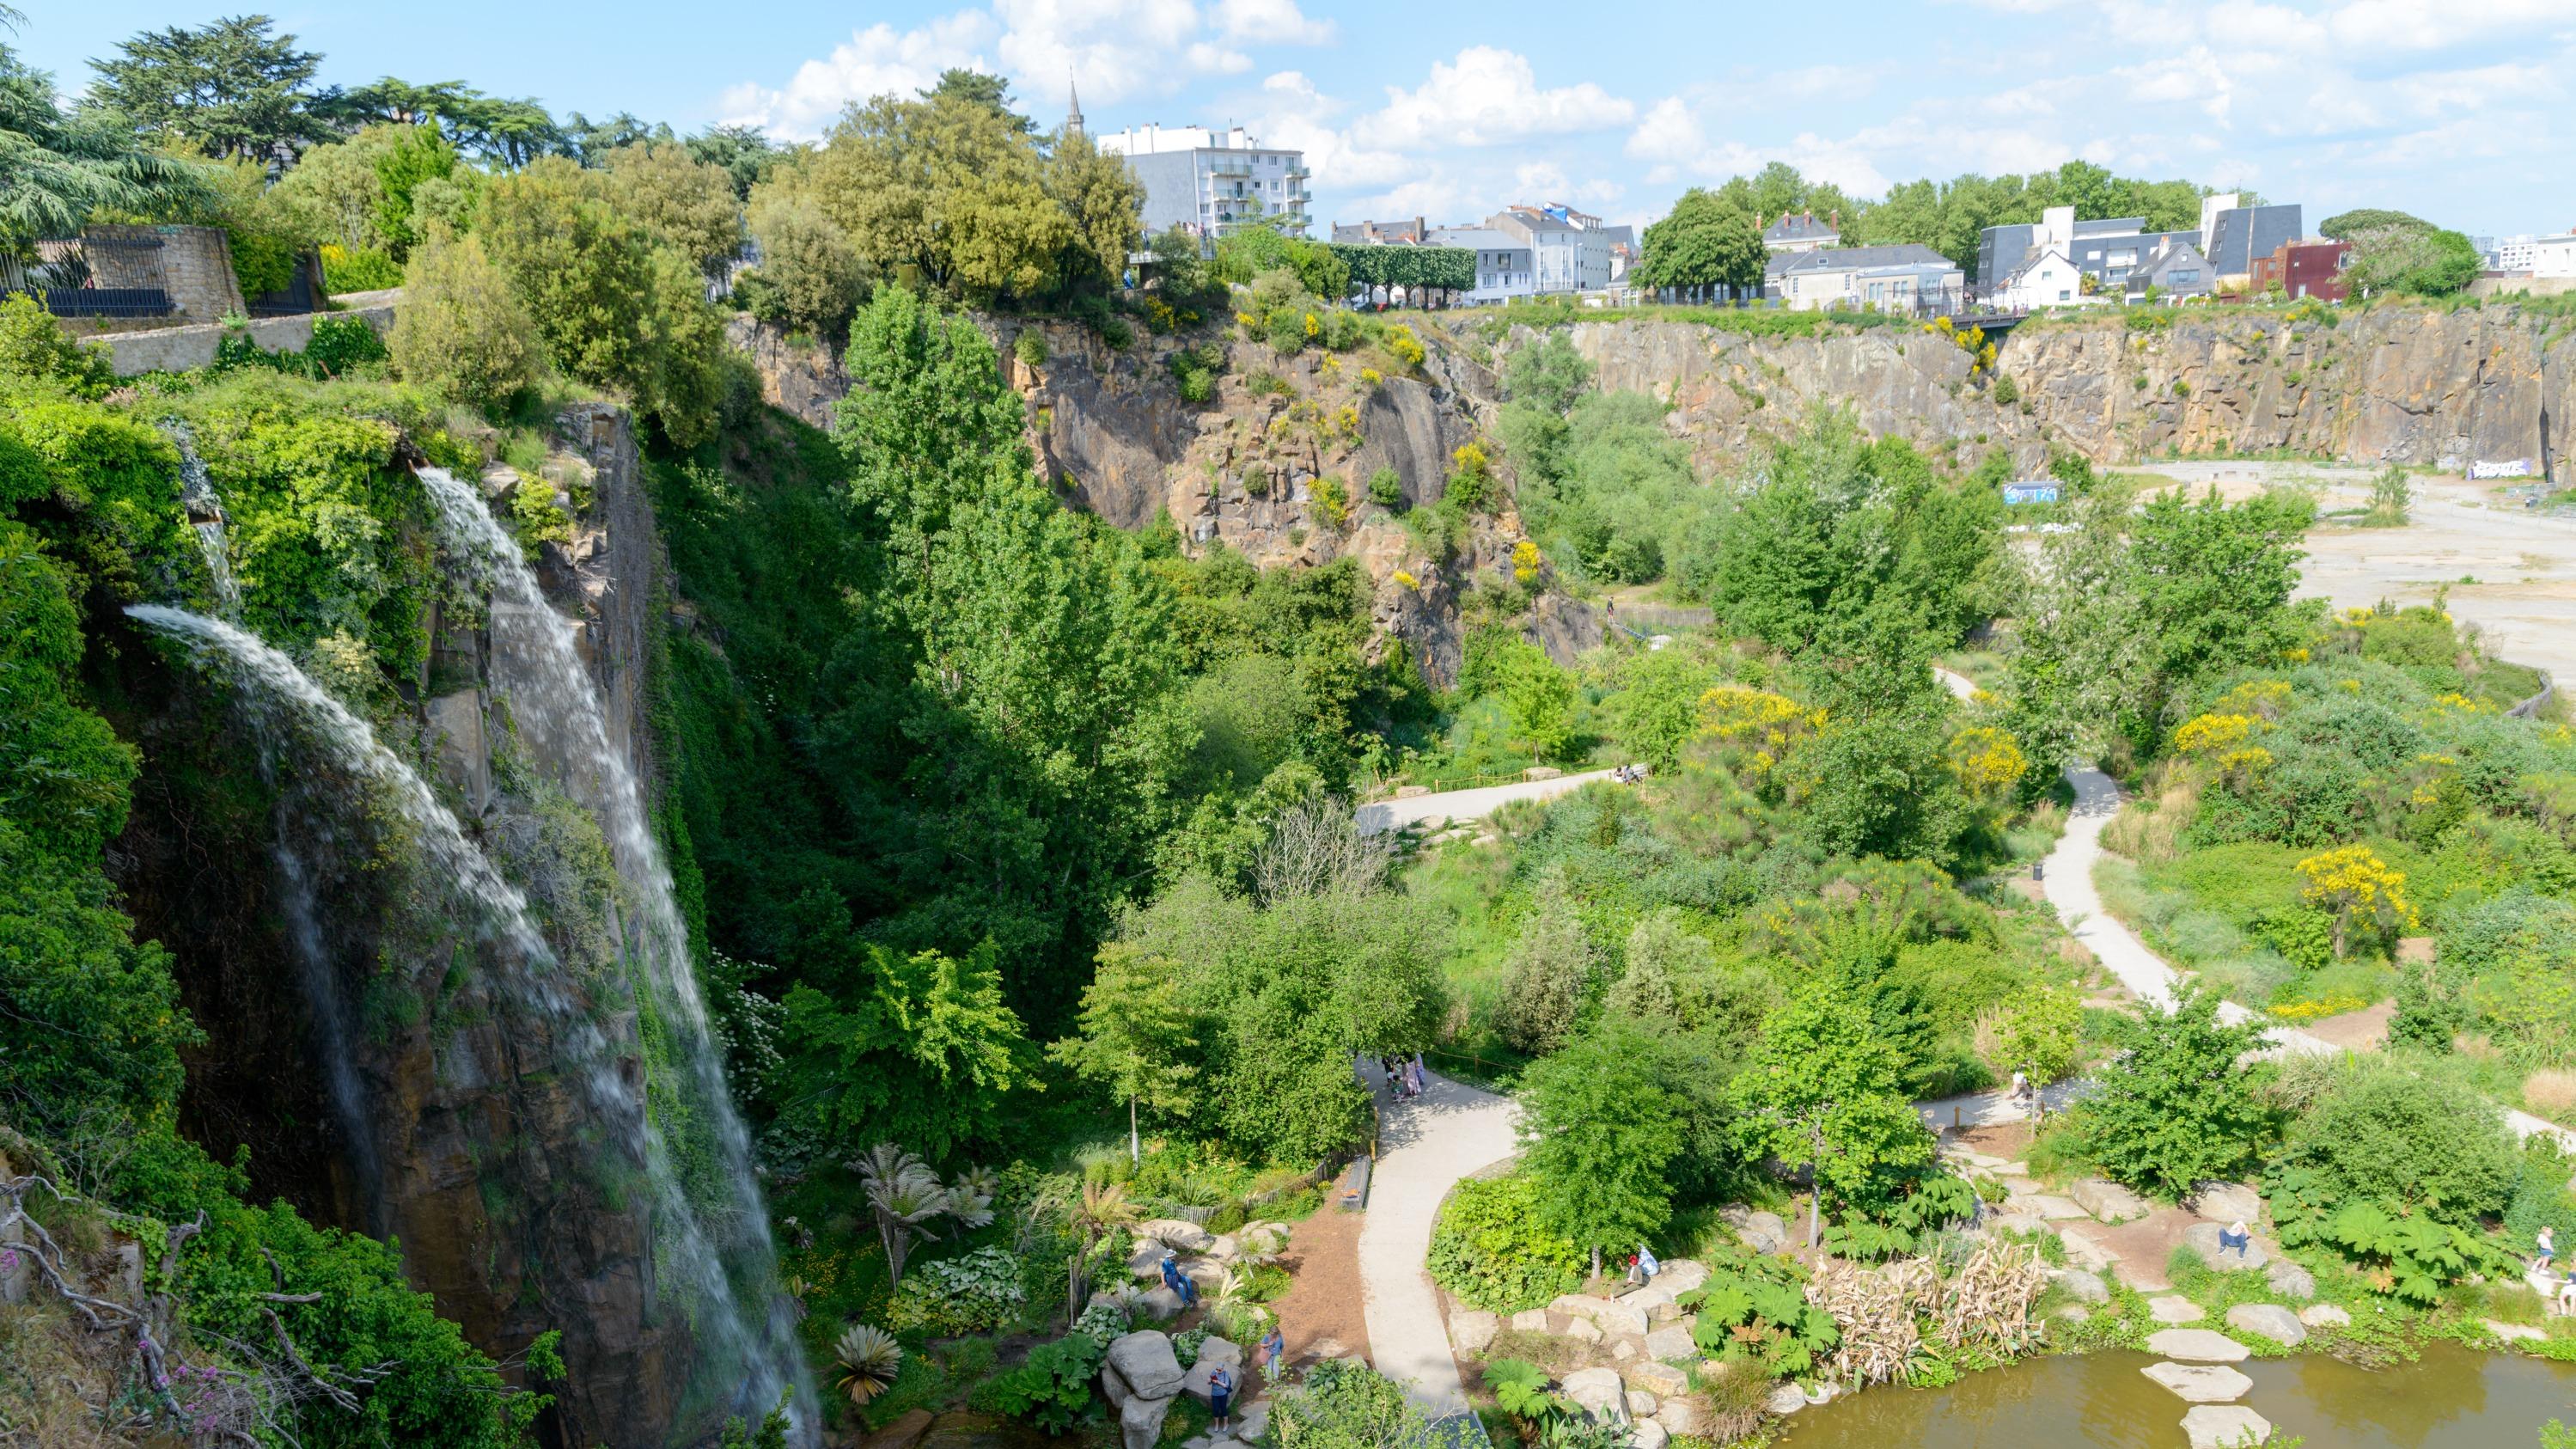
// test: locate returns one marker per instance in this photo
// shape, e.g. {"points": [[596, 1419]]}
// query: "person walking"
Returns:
{"points": [[1646, 1263], [1221, 1399], [2567, 1291], [1274, 1352], [1415, 1068]]}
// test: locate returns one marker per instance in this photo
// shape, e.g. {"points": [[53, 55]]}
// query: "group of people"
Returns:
{"points": [[1404, 1074], [1271, 1353], [2564, 1299], [1628, 774]]}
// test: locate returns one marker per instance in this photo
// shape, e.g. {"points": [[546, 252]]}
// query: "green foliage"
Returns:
{"points": [[2178, 1110], [684, 202], [1490, 1248], [811, 277], [33, 348], [1820, 1092], [976, 1292], [1763, 1318], [463, 331], [229, 88], [1135, 1036], [1923, 1208], [2394, 252], [1052, 1388], [2381, 1133], [1350, 1406], [1521, 1388], [918, 1049], [57, 169], [1451, 269], [1547, 973], [2038, 1030], [1706, 240], [1598, 1126], [418, 155], [2411, 1258]]}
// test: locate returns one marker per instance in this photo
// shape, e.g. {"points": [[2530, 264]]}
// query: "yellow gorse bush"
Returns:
{"points": [[1988, 761], [1524, 560], [2358, 889], [2212, 734]]}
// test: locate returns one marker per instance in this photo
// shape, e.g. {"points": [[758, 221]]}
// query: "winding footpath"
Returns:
{"points": [[1380, 816], [1425, 1147]]}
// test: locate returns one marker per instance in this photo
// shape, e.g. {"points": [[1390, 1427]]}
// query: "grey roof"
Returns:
{"points": [[1481, 238], [2111, 226], [1853, 258], [1799, 226]]}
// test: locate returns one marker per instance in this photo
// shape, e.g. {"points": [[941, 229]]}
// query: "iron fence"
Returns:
{"points": [[93, 277]]}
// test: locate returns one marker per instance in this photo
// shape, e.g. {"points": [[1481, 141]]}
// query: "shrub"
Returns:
{"points": [[1031, 347], [366, 270], [1490, 1250], [1197, 386], [1332, 501], [2006, 391], [2178, 1109], [2039, 1029], [1386, 488], [32, 346], [463, 331], [811, 277], [2380, 1133], [976, 1293], [1052, 1389]]}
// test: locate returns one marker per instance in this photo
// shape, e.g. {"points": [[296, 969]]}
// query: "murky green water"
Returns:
{"points": [[2451, 1398]]}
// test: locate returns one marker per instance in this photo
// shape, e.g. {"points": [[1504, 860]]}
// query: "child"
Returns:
{"points": [[2548, 1248]]}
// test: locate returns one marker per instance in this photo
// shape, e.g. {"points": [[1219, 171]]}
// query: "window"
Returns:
{"points": [[2064, 295], [2183, 276]]}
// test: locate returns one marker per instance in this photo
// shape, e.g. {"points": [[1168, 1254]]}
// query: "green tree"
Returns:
{"points": [[230, 88], [1598, 1127], [684, 202], [810, 278], [1135, 1036], [948, 186], [2377, 1132], [917, 1049], [744, 153], [1662, 954], [1547, 974], [2409, 256], [1656, 705], [55, 170], [1705, 241], [462, 330], [1103, 200], [2178, 1109], [1821, 1095]]}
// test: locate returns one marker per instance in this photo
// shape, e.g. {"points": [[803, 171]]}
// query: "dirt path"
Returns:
{"points": [[1424, 1147], [1320, 1313]]}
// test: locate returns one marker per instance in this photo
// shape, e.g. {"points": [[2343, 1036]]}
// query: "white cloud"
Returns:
{"points": [[2440, 24], [1270, 22], [1115, 49], [1489, 96], [872, 62]]}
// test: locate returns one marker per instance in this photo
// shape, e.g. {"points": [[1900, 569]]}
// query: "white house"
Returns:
{"points": [[1505, 266], [2554, 256], [2047, 278]]}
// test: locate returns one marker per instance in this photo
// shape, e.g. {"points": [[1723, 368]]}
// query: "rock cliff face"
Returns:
{"points": [[362, 1043], [2408, 385], [1111, 429]]}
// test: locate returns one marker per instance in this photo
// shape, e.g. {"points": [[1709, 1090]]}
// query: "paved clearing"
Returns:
{"points": [[1424, 1147], [1380, 816]]}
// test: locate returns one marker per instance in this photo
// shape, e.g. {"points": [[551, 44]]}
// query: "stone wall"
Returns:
{"points": [[177, 349], [194, 264]]}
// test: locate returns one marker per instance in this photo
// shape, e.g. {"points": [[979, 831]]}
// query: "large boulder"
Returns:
{"points": [[1144, 1363], [2200, 1383], [2107, 1200], [2227, 1202], [1786, 1399], [2270, 1320], [1530, 1320], [2084, 1285], [1646, 1299], [1160, 1305], [2196, 1345], [2225, 1426], [1647, 1434], [1146, 1261], [1671, 1344], [2202, 1238], [1583, 1330], [2174, 1308], [1658, 1378], [2290, 1280], [1471, 1330], [1178, 1233], [1213, 1353], [1608, 1316], [1763, 1232], [1140, 1422], [1679, 1416], [1641, 1404], [2325, 1315], [1599, 1392], [1682, 1275], [2055, 1209]]}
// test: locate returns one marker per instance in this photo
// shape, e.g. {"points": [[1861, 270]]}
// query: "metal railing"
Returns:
{"points": [[93, 277]]}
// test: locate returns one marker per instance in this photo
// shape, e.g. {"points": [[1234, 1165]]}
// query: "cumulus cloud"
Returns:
{"points": [[1488, 96], [872, 62], [1270, 22]]}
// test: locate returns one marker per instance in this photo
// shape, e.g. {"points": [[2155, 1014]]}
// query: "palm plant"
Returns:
{"points": [[1102, 1207], [869, 1359], [904, 1194], [970, 1197]]}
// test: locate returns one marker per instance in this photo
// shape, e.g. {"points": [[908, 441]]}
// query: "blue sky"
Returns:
{"points": [[2459, 110]]}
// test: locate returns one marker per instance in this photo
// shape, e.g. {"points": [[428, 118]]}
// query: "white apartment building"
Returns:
{"points": [[1570, 250], [1212, 181], [1505, 267]]}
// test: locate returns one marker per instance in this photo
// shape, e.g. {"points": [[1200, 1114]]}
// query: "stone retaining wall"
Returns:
{"points": [[177, 349]]}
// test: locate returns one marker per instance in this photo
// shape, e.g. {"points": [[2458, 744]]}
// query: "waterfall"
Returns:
{"points": [[288, 708], [206, 515], [557, 708]]}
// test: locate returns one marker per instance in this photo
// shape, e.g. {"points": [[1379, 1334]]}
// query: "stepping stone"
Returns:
{"points": [[1786, 1399], [2013, 1169], [2290, 1280], [2200, 1383], [2225, 1426], [1530, 1320], [1472, 1330], [2055, 1209], [2084, 1252], [1647, 1434], [2516, 1332], [2016, 1185], [2175, 1309], [1671, 1345], [1251, 1419], [2202, 1238], [2324, 1315], [2196, 1345], [1660, 1379], [2084, 1285], [2270, 1320], [2107, 1200]]}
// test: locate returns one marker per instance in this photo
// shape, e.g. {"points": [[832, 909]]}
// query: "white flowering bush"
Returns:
{"points": [[974, 1293]]}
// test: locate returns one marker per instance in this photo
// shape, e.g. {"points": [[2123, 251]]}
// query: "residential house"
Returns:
{"points": [[1799, 231], [2175, 270], [2312, 268], [2554, 256], [2047, 277], [2107, 249], [1380, 233], [1212, 182], [1506, 266], [1904, 277], [1572, 250]]}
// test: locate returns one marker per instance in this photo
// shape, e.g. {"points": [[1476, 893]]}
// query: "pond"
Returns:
{"points": [[2451, 1398]]}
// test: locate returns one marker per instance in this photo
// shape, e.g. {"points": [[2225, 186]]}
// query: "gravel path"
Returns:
{"points": [[1384, 815], [1424, 1147]]}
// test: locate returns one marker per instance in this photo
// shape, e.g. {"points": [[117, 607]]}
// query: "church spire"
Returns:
{"points": [[1073, 108]]}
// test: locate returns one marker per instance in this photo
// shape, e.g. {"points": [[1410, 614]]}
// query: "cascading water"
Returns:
{"points": [[206, 515], [289, 710], [557, 708]]}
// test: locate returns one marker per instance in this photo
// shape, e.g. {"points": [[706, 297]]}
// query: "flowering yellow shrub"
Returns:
{"points": [[1988, 761], [2462, 703], [2321, 1007], [1406, 348], [1524, 561], [2358, 889], [1314, 329], [2262, 698], [2243, 763], [1371, 377], [1406, 581], [1739, 715], [2211, 734], [1347, 419], [1471, 458]]}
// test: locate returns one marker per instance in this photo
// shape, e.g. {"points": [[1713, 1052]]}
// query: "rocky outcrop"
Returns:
{"points": [[799, 377], [2390, 384]]}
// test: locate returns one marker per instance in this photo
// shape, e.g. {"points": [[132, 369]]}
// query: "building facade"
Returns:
{"points": [[2108, 249], [1799, 231], [2304, 269], [1506, 266], [1570, 250], [1212, 182], [1904, 277], [1381, 233]]}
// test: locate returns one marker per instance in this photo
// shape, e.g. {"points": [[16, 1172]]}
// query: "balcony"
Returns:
{"points": [[1230, 166]]}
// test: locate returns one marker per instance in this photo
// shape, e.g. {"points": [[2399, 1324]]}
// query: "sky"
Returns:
{"points": [[2457, 110]]}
